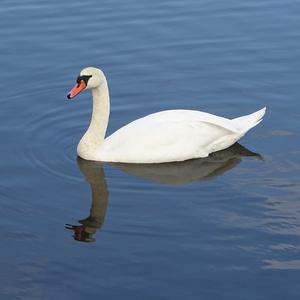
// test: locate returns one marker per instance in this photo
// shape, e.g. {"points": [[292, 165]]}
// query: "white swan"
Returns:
{"points": [[166, 136]]}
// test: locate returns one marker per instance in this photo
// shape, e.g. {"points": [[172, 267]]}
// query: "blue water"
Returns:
{"points": [[226, 227]]}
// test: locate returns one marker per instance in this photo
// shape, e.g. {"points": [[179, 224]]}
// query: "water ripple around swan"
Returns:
{"points": [[54, 151]]}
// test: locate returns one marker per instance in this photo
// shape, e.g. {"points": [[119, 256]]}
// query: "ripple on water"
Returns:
{"points": [[54, 151]]}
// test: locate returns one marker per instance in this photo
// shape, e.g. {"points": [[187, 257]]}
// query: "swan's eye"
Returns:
{"points": [[85, 78]]}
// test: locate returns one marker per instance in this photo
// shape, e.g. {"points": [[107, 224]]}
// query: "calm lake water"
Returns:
{"points": [[225, 227]]}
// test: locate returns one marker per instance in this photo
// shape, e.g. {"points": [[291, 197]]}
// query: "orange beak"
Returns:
{"points": [[76, 89]]}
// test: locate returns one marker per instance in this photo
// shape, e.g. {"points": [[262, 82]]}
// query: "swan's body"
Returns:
{"points": [[166, 136]]}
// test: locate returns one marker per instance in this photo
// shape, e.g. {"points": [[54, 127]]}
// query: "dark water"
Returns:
{"points": [[226, 227]]}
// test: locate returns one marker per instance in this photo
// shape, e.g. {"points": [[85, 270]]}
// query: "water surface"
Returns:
{"points": [[226, 227]]}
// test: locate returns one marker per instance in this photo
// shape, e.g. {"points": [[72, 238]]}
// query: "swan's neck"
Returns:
{"points": [[100, 113], [94, 136]]}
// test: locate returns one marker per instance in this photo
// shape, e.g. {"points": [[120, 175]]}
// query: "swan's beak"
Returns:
{"points": [[76, 89]]}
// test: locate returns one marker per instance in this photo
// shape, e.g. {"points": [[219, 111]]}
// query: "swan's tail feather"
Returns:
{"points": [[245, 123]]}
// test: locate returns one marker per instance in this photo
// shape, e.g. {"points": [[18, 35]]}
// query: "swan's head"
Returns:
{"points": [[89, 78]]}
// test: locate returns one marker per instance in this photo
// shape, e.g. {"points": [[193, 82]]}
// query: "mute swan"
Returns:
{"points": [[166, 136]]}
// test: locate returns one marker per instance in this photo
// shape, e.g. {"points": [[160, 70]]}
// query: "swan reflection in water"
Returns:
{"points": [[174, 173]]}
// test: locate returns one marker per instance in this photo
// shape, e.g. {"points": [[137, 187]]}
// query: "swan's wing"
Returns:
{"points": [[166, 136], [194, 115]]}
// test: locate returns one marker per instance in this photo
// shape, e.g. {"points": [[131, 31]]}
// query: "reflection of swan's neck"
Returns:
{"points": [[94, 136], [99, 200]]}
